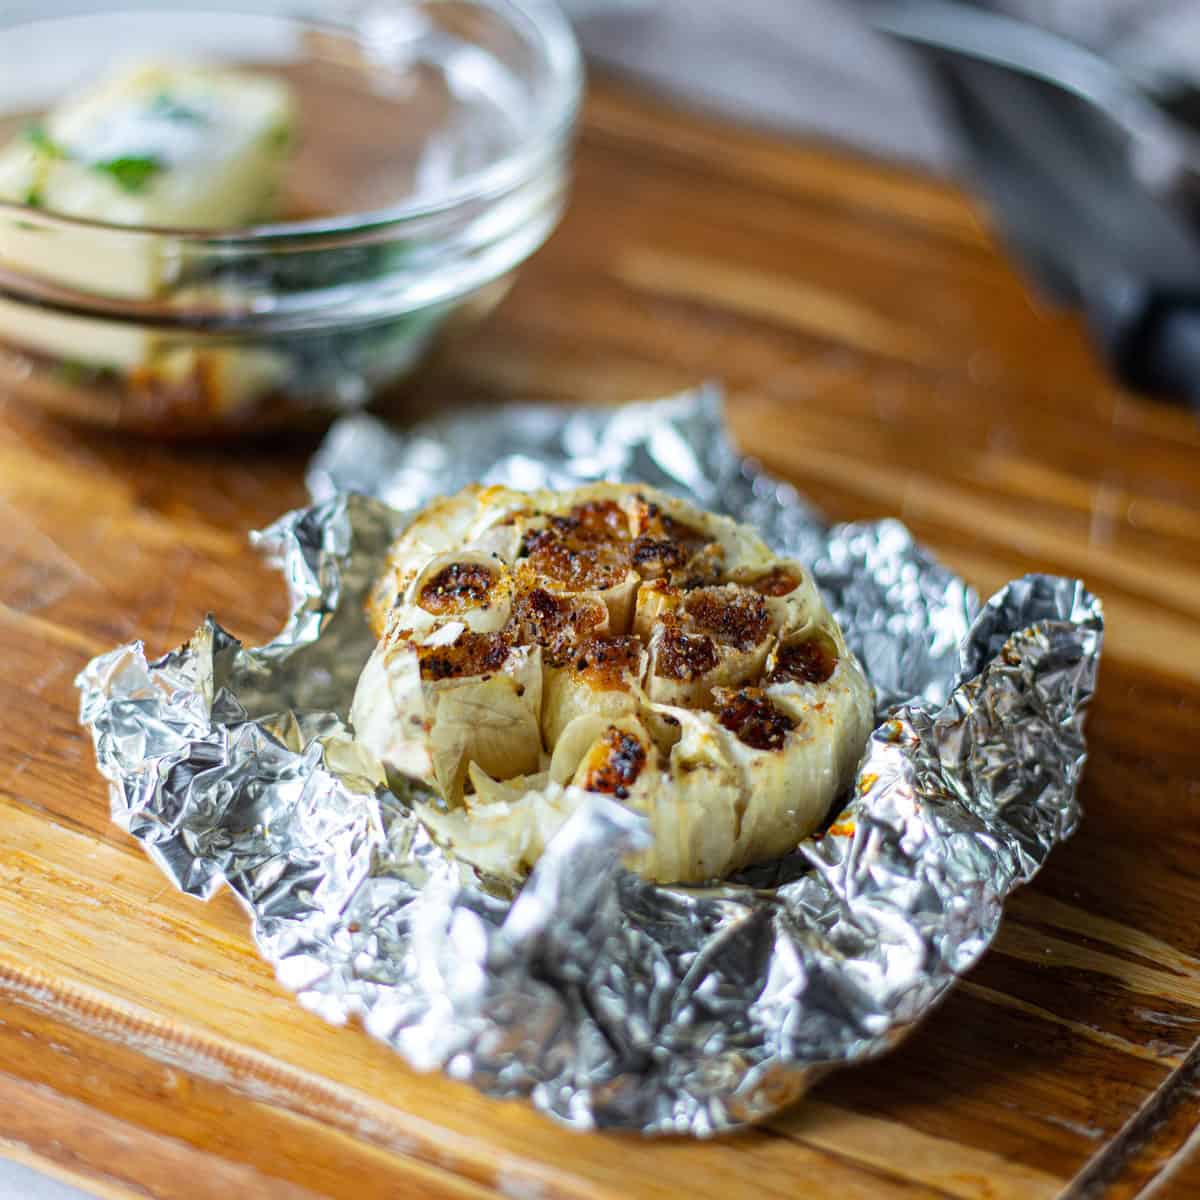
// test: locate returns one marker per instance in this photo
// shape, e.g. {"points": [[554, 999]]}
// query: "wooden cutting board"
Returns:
{"points": [[881, 353]]}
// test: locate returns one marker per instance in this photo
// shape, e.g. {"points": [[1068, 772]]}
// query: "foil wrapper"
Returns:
{"points": [[608, 1001]]}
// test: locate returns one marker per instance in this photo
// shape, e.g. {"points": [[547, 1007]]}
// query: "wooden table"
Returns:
{"points": [[882, 354]]}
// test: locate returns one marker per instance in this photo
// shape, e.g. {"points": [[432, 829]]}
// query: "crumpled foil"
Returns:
{"points": [[609, 1001]]}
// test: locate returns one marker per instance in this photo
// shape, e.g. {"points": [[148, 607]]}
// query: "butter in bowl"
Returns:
{"points": [[248, 220]]}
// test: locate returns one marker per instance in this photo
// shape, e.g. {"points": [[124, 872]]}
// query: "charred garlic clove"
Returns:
{"points": [[470, 586], [788, 592], [695, 810], [808, 656], [476, 519], [601, 677], [428, 709], [584, 552], [711, 637], [615, 757], [796, 742]]}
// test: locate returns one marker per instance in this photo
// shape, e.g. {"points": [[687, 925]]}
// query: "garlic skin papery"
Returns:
{"points": [[535, 647]]}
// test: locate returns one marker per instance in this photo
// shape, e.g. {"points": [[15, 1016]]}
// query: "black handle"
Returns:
{"points": [[1151, 338]]}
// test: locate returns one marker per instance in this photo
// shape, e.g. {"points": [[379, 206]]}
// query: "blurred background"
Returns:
{"points": [[1077, 125], [818, 66], [1076, 121]]}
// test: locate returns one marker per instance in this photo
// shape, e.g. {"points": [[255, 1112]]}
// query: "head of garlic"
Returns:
{"points": [[535, 647]]}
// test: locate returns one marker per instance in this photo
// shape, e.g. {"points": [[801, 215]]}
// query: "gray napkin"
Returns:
{"points": [[808, 66], [813, 67]]}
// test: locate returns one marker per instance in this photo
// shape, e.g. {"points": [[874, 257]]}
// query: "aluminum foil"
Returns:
{"points": [[606, 1000]]}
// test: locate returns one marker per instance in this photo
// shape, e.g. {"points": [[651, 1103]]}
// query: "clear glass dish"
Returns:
{"points": [[432, 159]]}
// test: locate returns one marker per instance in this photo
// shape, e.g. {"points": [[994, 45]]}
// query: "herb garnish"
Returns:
{"points": [[33, 197], [74, 371], [133, 172], [43, 143]]}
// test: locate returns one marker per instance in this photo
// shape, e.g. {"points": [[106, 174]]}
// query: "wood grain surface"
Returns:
{"points": [[882, 354]]}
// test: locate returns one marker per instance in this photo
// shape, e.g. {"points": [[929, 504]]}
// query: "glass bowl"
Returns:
{"points": [[432, 159]]}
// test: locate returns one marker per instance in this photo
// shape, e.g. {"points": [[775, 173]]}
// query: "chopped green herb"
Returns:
{"points": [[278, 138], [70, 371], [43, 143], [163, 104], [33, 197], [132, 172], [75, 372]]}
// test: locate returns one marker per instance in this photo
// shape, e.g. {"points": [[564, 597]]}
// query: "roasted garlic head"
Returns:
{"points": [[538, 646]]}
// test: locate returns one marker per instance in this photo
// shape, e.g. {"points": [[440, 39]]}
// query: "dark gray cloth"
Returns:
{"points": [[812, 66], [805, 65]]}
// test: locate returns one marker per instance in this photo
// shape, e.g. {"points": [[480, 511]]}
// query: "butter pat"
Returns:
{"points": [[159, 147], [169, 147], [226, 379], [174, 147]]}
